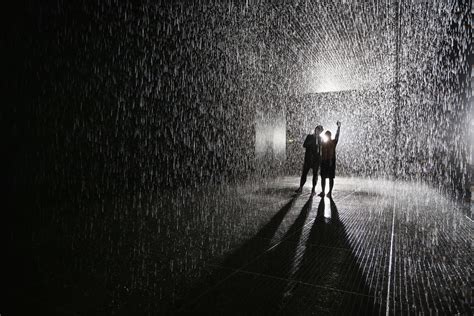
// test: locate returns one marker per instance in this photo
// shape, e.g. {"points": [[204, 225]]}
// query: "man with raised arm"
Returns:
{"points": [[328, 159]]}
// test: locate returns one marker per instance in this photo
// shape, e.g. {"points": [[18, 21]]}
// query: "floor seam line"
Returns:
{"points": [[390, 262]]}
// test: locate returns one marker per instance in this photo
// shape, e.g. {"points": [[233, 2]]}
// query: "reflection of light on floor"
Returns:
{"points": [[327, 208]]}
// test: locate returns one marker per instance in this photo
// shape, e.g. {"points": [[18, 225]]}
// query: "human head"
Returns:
{"points": [[327, 135], [318, 130]]}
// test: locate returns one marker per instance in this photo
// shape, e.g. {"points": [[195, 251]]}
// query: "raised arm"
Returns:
{"points": [[338, 131]]}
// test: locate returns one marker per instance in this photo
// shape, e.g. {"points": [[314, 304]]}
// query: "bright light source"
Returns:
{"points": [[324, 137]]}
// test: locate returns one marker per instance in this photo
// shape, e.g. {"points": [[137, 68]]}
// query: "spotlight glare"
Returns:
{"points": [[324, 138]]}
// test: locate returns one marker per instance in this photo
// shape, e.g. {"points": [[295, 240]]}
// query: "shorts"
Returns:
{"points": [[312, 164], [328, 168]]}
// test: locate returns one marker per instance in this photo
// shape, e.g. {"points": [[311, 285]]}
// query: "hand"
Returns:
{"points": [[338, 124]]}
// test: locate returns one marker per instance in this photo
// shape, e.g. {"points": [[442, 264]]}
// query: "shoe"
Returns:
{"points": [[330, 195], [313, 193], [321, 194], [299, 190]]}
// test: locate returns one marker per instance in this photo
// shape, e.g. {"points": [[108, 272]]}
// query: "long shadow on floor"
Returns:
{"points": [[311, 270], [330, 268]]}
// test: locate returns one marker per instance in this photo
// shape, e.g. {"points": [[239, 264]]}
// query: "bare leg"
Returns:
{"points": [[315, 179], [323, 186], [331, 185], [303, 177]]}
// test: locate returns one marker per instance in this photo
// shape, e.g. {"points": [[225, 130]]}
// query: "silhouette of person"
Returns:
{"points": [[312, 157], [328, 159]]}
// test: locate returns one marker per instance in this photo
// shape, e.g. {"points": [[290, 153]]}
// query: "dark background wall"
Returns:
{"points": [[108, 97], [110, 104]]}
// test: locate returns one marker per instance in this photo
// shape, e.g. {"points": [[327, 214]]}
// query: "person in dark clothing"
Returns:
{"points": [[312, 157], [328, 159]]}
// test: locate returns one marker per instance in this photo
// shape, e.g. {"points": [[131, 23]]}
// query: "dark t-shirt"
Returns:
{"points": [[313, 151], [328, 150]]}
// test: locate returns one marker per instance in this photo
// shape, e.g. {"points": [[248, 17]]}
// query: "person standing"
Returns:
{"points": [[312, 157], [328, 159]]}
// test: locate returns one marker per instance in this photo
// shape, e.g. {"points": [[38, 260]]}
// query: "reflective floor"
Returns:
{"points": [[375, 247]]}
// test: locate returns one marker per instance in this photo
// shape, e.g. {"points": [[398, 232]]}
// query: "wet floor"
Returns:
{"points": [[375, 247]]}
